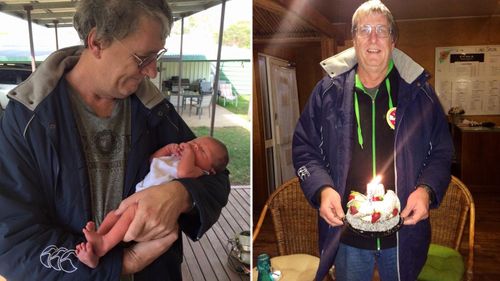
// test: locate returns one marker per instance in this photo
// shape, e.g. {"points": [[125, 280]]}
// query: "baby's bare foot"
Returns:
{"points": [[96, 240], [85, 254], [90, 226]]}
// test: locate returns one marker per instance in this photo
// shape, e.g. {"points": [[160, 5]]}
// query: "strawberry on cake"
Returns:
{"points": [[377, 213]]}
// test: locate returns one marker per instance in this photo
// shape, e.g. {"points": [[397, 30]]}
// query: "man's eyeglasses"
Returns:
{"points": [[143, 61], [382, 31]]}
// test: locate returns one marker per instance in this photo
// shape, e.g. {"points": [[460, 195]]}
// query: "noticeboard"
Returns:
{"points": [[469, 77]]}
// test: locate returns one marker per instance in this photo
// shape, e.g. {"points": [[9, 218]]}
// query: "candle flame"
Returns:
{"points": [[376, 180], [375, 187]]}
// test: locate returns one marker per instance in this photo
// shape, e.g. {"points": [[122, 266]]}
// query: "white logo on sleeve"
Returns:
{"points": [[58, 259], [303, 173]]}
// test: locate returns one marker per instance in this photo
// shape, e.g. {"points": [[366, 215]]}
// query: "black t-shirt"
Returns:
{"points": [[361, 167]]}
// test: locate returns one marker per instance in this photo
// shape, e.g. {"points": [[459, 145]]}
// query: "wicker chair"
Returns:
{"points": [[448, 224], [296, 228], [295, 221]]}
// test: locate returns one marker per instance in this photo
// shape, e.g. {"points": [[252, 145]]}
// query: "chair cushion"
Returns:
{"points": [[294, 267], [443, 264]]}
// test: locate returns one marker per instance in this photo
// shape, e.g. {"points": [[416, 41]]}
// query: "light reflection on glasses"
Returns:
{"points": [[382, 31], [143, 61]]}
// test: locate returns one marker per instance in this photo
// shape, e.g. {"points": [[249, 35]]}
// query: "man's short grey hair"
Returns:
{"points": [[119, 18], [374, 7]]}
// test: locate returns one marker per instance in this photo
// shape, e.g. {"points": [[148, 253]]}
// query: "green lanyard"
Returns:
{"points": [[356, 110], [359, 85], [360, 134]]}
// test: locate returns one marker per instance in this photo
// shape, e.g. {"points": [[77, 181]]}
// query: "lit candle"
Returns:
{"points": [[375, 188]]}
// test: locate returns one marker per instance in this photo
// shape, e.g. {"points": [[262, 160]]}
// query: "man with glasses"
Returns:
{"points": [[374, 114], [75, 140]]}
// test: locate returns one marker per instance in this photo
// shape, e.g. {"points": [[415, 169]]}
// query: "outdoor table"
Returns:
{"points": [[184, 96]]}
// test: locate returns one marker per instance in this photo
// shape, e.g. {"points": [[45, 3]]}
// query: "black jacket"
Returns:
{"points": [[423, 149], [44, 186]]}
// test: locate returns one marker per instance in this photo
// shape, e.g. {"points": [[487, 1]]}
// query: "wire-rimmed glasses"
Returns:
{"points": [[143, 61], [382, 31]]}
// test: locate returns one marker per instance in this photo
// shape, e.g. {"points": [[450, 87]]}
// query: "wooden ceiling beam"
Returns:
{"points": [[303, 9], [284, 40], [306, 14]]}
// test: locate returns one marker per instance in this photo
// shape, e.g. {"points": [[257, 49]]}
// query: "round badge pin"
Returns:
{"points": [[391, 117]]}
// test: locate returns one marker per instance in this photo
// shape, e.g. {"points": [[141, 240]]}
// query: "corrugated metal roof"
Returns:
{"points": [[50, 12]]}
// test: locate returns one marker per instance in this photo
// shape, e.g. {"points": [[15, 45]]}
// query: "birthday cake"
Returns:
{"points": [[376, 212]]}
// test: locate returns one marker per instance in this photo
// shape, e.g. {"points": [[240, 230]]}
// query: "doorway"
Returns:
{"points": [[280, 104]]}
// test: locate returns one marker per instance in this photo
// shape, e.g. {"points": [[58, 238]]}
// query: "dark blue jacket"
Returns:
{"points": [[422, 146], [44, 186]]}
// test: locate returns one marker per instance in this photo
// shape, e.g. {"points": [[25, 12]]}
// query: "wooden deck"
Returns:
{"points": [[207, 259]]}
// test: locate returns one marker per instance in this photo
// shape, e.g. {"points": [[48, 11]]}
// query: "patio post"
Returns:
{"points": [[217, 68], [57, 37], [179, 82], [28, 9]]}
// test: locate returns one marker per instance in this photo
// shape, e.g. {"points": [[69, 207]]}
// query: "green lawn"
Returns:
{"points": [[237, 140], [241, 109]]}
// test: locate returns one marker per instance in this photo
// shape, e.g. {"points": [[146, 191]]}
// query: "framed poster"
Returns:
{"points": [[469, 77]]}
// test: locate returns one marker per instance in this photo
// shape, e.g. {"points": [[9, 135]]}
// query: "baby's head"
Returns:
{"points": [[210, 154]]}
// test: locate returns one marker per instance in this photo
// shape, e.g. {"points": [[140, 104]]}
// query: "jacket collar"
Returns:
{"points": [[44, 80], [346, 60]]}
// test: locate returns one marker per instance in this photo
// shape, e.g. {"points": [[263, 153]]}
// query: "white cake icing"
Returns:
{"points": [[377, 214]]}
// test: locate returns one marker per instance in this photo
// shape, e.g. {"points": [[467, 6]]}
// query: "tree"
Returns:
{"points": [[237, 35], [193, 23]]}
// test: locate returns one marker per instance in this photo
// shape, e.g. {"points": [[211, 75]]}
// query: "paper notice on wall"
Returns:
{"points": [[469, 77]]}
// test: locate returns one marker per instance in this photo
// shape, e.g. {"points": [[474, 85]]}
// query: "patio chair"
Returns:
{"points": [[178, 104], [226, 92], [296, 229], [204, 101], [444, 261], [205, 87]]}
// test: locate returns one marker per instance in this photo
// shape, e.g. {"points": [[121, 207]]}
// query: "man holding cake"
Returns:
{"points": [[373, 151]]}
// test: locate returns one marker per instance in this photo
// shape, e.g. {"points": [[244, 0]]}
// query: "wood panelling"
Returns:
{"points": [[477, 155], [419, 39]]}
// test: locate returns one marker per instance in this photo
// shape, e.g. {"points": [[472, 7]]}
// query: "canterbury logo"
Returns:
{"points": [[58, 259], [303, 173]]}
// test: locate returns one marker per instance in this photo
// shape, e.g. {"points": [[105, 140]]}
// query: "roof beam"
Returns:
{"points": [[190, 9], [285, 40], [52, 15], [52, 25], [314, 18], [36, 6], [305, 13], [180, 3], [45, 12]]}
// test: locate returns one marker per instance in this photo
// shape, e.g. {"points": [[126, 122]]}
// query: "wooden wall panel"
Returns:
{"points": [[419, 39]]}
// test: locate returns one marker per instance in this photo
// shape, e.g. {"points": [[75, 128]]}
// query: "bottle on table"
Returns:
{"points": [[264, 268]]}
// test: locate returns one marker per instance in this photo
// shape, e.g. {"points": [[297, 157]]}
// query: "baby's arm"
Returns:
{"points": [[167, 150], [187, 167]]}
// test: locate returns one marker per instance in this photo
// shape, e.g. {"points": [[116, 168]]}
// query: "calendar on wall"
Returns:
{"points": [[469, 77]]}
